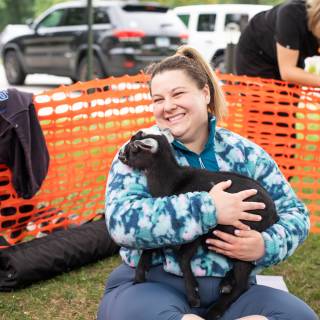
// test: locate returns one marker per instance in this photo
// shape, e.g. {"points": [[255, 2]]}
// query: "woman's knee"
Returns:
{"points": [[144, 302], [272, 304]]}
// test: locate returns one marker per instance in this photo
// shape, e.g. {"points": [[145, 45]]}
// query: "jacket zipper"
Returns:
{"points": [[201, 163]]}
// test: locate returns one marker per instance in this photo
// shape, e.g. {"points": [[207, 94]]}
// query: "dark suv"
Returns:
{"points": [[126, 37]]}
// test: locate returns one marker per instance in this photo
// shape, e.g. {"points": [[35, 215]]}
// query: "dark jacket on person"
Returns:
{"points": [[22, 144], [286, 24]]}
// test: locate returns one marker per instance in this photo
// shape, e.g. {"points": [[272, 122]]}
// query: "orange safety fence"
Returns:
{"points": [[85, 124]]}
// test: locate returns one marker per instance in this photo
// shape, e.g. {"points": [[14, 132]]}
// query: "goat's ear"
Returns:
{"points": [[167, 133], [139, 134], [148, 144]]}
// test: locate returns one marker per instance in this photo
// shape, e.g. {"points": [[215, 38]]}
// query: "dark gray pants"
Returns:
{"points": [[162, 297]]}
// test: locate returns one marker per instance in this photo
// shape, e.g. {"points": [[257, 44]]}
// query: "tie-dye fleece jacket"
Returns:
{"points": [[138, 221]]}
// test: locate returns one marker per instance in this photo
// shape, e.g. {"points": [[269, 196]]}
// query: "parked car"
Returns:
{"points": [[212, 27], [126, 37]]}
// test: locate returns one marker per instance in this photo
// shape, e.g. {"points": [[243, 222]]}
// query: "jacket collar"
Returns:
{"points": [[13, 102]]}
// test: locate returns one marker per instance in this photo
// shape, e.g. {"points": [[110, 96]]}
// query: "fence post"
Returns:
{"points": [[233, 33]]}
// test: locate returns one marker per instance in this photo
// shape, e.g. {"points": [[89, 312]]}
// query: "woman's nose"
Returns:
{"points": [[169, 105]]}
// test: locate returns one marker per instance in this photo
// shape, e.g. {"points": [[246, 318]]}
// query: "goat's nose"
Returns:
{"points": [[122, 157]]}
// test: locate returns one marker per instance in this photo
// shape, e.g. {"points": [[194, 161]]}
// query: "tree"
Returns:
{"points": [[15, 11], [18, 11], [42, 5]]}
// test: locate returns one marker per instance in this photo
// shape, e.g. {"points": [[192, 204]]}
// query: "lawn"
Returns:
{"points": [[75, 295]]}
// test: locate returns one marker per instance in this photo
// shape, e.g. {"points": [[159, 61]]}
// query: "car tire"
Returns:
{"points": [[83, 66], [13, 69]]}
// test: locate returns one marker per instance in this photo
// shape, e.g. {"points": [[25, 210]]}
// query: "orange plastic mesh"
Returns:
{"points": [[85, 124]]}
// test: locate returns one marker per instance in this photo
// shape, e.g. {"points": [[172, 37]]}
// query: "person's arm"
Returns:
{"points": [[280, 240], [289, 71], [292, 228], [137, 220]]}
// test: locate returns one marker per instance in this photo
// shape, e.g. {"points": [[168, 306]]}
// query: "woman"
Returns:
{"points": [[187, 99], [276, 42]]}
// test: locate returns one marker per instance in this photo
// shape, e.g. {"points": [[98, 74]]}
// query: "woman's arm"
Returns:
{"points": [[287, 62], [280, 240], [137, 220]]}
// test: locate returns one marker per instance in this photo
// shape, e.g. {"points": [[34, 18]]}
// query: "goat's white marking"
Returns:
{"points": [[152, 143], [164, 132], [167, 133]]}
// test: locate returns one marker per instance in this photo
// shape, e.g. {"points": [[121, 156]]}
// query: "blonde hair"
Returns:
{"points": [[313, 12], [194, 65]]}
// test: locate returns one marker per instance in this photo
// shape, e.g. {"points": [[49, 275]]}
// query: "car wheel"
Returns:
{"points": [[12, 66], [83, 69], [218, 63]]}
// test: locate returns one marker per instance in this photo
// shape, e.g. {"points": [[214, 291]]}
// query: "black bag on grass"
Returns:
{"points": [[58, 252]]}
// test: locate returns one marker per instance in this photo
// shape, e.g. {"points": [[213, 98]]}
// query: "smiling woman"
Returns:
{"points": [[188, 101], [182, 108]]}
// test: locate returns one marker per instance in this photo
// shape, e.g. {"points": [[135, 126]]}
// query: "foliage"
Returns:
{"points": [[18, 11], [42, 5], [15, 11], [76, 295]]}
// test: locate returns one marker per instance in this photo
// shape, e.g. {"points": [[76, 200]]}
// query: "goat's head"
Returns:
{"points": [[144, 148]]}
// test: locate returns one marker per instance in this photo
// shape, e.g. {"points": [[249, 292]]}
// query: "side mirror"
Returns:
{"points": [[29, 22]]}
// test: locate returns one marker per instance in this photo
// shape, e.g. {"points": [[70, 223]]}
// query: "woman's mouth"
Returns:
{"points": [[176, 117]]}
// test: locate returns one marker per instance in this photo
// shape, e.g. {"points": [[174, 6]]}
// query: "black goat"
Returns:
{"points": [[152, 153]]}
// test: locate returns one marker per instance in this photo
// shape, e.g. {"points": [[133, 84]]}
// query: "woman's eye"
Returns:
{"points": [[157, 100], [179, 93]]}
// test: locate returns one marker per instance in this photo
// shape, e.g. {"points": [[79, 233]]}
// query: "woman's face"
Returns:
{"points": [[182, 107]]}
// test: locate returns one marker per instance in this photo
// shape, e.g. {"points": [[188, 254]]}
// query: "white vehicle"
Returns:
{"points": [[211, 27]]}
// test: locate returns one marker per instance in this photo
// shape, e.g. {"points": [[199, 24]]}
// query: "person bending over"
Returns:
{"points": [[276, 42]]}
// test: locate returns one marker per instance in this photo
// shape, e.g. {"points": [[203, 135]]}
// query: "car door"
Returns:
{"points": [[67, 38], [37, 46]]}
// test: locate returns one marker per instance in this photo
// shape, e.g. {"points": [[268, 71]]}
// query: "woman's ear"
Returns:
{"points": [[206, 91]]}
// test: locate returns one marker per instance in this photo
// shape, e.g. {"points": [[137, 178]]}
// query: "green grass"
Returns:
{"points": [[75, 295]]}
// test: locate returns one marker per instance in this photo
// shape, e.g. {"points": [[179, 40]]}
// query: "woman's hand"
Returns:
{"points": [[231, 207], [244, 245]]}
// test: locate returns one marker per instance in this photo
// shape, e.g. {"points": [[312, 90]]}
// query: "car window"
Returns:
{"points": [[152, 22], [184, 18], [101, 16], [206, 22], [240, 19], [76, 17], [54, 19]]}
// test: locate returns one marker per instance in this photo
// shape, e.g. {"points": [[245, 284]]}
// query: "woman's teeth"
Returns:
{"points": [[176, 117]]}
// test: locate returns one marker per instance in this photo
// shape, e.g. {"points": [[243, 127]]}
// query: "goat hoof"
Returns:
{"points": [[226, 289], [194, 303], [213, 316], [139, 280]]}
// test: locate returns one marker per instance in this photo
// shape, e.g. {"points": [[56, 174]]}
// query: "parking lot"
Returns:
{"points": [[35, 83]]}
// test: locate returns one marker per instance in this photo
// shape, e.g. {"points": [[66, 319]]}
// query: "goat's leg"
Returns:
{"points": [[227, 283], [184, 256], [143, 266], [241, 273]]}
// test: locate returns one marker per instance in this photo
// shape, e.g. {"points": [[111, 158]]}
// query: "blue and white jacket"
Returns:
{"points": [[137, 221]]}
